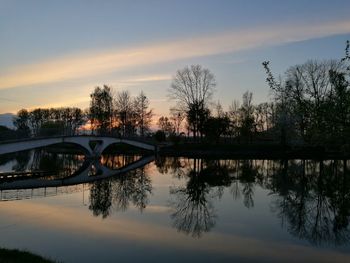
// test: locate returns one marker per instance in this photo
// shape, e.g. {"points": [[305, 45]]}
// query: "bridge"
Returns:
{"points": [[93, 145]]}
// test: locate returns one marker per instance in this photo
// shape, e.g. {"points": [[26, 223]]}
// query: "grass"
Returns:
{"points": [[18, 256]]}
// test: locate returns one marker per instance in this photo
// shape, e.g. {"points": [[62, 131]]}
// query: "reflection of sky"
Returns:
{"points": [[63, 228], [55, 53], [7, 167]]}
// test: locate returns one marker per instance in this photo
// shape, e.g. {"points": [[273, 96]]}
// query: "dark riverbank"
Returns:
{"points": [[17, 256], [251, 151], [215, 151], [229, 150]]}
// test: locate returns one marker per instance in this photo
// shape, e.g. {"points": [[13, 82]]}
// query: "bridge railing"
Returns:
{"points": [[6, 140]]}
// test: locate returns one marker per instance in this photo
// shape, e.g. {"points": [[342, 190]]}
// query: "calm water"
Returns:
{"points": [[179, 209]]}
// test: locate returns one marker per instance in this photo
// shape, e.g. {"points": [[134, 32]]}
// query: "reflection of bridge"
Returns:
{"points": [[94, 171], [94, 145]]}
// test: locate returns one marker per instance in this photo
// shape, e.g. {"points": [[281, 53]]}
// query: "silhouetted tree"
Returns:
{"points": [[247, 126], [177, 116], [192, 88], [21, 122], [142, 114], [215, 127], [126, 113], [165, 125], [197, 115], [281, 100], [101, 109], [234, 116]]}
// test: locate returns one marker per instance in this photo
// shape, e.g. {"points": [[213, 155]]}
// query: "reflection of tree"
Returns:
{"points": [[173, 165], [316, 205], [62, 164], [22, 161], [194, 213], [101, 198], [44, 159], [247, 179], [117, 193], [133, 187], [113, 161], [311, 198], [142, 189]]}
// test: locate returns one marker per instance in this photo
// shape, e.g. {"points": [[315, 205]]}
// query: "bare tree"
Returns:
{"points": [[177, 117], [192, 88], [143, 114], [192, 85], [234, 115], [125, 111], [165, 125]]}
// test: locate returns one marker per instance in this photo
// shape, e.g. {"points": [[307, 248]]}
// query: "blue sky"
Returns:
{"points": [[53, 53]]}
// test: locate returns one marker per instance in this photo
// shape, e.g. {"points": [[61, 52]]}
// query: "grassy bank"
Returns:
{"points": [[17, 256]]}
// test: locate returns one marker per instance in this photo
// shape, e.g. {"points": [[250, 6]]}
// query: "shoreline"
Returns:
{"points": [[244, 151]]}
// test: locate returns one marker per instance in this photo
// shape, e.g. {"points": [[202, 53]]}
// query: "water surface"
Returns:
{"points": [[180, 209]]}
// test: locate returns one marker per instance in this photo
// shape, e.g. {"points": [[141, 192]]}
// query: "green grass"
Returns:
{"points": [[17, 256]]}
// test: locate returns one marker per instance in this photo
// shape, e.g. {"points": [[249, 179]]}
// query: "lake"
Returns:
{"points": [[175, 209]]}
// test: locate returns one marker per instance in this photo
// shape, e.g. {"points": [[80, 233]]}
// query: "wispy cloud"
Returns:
{"points": [[63, 103], [96, 63]]}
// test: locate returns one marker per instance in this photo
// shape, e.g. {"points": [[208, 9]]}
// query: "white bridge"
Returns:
{"points": [[100, 143]]}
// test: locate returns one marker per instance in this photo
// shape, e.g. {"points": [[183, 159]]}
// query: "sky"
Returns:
{"points": [[53, 53]]}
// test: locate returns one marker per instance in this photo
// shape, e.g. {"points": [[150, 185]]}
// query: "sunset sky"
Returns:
{"points": [[53, 53]]}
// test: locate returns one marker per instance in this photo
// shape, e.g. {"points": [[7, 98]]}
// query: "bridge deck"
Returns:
{"points": [[83, 141]]}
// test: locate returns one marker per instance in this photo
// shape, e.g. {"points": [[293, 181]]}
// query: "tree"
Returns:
{"points": [[21, 122], [142, 114], [177, 117], [51, 128], [281, 103], [312, 100], [165, 125], [234, 116], [215, 127], [160, 136], [192, 88], [125, 112], [37, 117], [247, 120], [101, 109], [197, 115]]}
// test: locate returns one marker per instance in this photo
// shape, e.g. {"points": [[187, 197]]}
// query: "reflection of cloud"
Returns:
{"points": [[95, 63], [62, 221]]}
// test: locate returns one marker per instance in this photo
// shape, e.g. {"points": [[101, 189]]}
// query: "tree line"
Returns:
{"points": [[108, 114], [311, 104], [46, 122]]}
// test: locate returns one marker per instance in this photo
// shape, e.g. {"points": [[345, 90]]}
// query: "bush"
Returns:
{"points": [[159, 136], [51, 128], [174, 138]]}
